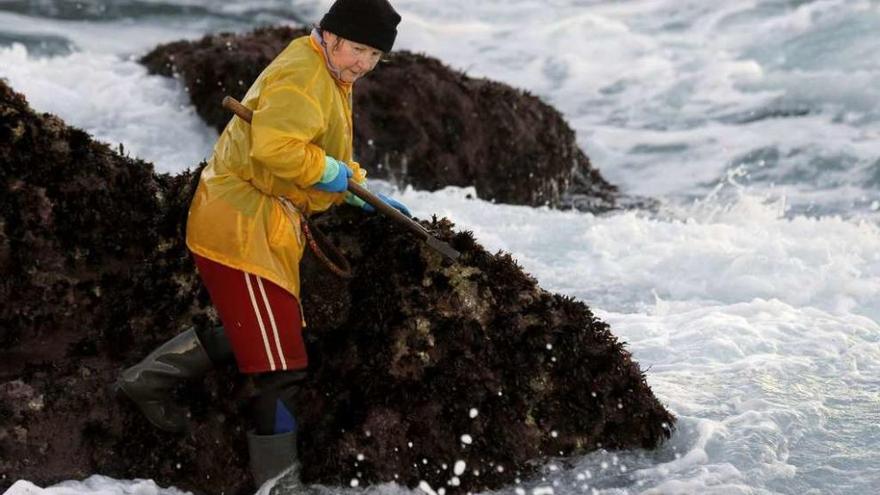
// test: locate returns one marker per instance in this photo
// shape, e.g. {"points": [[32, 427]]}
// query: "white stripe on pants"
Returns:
{"points": [[260, 321]]}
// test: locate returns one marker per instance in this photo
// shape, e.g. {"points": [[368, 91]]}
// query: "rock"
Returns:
{"points": [[417, 122], [98, 275]]}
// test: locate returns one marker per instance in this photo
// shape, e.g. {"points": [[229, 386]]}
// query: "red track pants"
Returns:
{"points": [[262, 321]]}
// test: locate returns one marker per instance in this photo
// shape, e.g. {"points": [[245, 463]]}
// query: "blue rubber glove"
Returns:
{"points": [[335, 176], [397, 205]]}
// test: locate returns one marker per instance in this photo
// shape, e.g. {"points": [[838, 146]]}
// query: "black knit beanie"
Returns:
{"points": [[371, 22]]}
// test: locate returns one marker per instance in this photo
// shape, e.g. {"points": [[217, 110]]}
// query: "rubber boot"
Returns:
{"points": [[272, 455], [149, 382]]}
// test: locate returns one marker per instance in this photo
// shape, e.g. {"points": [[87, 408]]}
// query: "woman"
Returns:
{"points": [[293, 159]]}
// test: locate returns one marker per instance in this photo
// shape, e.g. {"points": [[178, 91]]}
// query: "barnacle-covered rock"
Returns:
{"points": [[424, 360]]}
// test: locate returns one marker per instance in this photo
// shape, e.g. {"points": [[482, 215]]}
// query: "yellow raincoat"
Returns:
{"points": [[301, 113]]}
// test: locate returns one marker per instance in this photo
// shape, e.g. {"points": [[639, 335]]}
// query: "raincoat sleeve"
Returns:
{"points": [[358, 174], [283, 127]]}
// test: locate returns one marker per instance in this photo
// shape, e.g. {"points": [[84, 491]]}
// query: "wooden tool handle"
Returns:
{"points": [[386, 209], [247, 115], [237, 108], [360, 191]]}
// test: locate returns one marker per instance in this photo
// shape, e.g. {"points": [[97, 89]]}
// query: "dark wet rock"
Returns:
{"points": [[417, 122], [96, 274]]}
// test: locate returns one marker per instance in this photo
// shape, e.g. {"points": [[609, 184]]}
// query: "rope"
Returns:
{"points": [[318, 242], [315, 238]]}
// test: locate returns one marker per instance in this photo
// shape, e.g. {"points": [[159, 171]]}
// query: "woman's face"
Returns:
{"points": [[351, 59]]}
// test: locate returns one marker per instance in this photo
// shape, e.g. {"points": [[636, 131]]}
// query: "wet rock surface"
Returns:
{"points": [[415, 354], [417, 122]]}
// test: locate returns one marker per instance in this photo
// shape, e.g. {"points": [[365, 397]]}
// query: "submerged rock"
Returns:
{"points": [[416, 363], [417, 122]]}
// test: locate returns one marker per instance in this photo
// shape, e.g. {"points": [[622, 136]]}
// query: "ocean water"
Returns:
{"points": [[751, 297]]}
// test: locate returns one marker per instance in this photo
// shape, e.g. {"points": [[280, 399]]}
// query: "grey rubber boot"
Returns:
{"points": [[271, 455], [149, 382]]}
